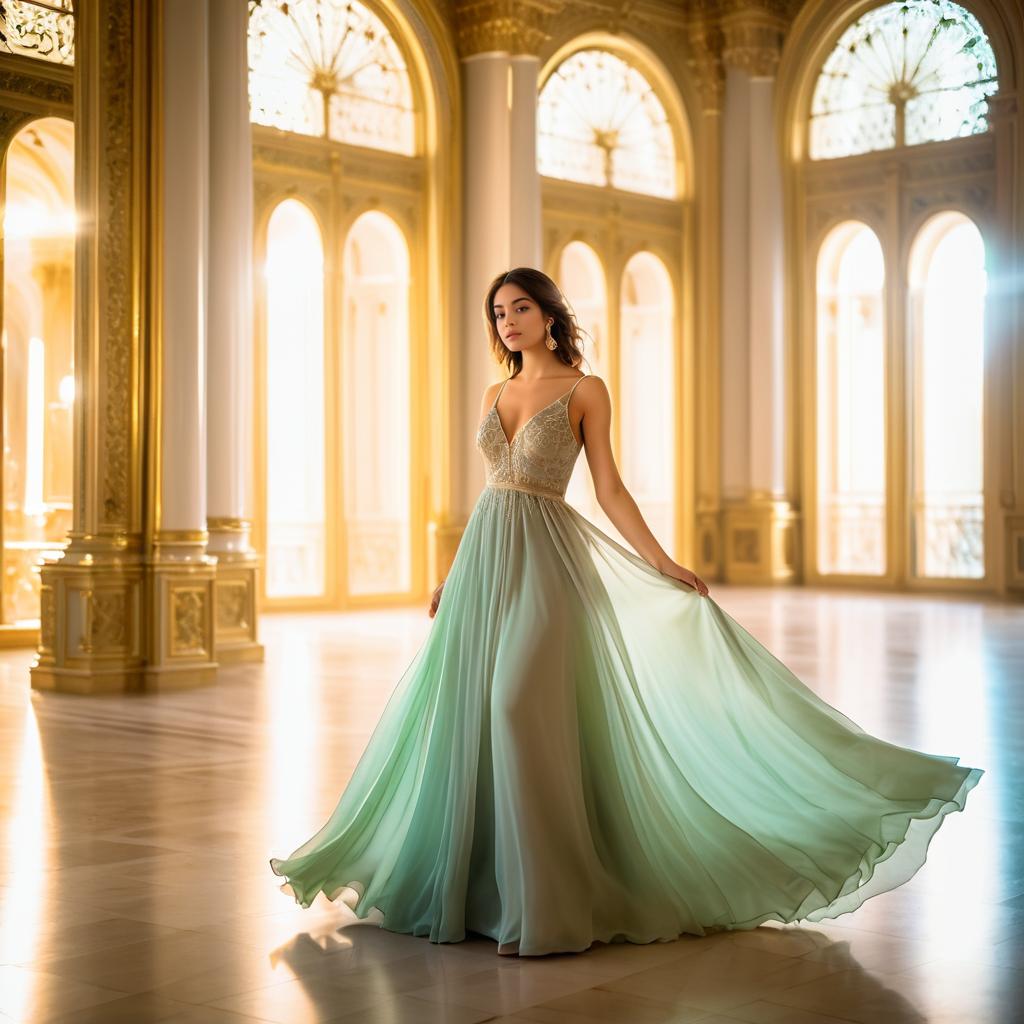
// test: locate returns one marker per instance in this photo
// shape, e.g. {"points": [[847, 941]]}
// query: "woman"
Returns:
{"points": [[587, 747]]}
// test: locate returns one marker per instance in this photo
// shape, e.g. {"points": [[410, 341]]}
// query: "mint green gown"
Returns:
{"points": [[585, 749]]}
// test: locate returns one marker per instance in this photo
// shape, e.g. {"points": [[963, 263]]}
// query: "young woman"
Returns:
{"points": [[587, 747]]}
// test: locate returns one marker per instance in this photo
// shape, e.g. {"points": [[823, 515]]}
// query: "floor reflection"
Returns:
{"points": [[134, 883]]}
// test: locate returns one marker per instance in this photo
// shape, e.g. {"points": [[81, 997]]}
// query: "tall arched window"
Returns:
{"points": [[904, 73], [851, 403], [612, 140], [296, 525], [946, 338], [599, 122], [375, 393], [581, 276], [892, 458], [647, 374], [329, 68], [38, 374]]}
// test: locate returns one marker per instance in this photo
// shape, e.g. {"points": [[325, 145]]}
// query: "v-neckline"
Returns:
{"points": [[523, 426]]}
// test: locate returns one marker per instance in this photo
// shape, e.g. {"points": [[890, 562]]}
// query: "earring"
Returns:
{"points": [[549, 340]]}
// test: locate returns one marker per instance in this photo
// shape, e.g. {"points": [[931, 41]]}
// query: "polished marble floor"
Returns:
{"points": [[135, 832]]}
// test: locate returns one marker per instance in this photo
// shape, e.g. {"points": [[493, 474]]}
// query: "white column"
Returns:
{"points": [[767, 343], [753, 345], [230, 352], [524, 207], [735, 281], [501, 219], [182, 476], [229, 358]]}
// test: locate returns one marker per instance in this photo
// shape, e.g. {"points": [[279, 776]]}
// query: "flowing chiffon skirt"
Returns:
{"points": [[586, 749]]}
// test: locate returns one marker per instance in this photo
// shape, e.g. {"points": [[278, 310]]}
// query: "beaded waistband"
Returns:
{"points": [[527, 489]]}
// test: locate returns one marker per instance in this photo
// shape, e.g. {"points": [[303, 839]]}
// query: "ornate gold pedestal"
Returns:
{"points": [[760, 541]]}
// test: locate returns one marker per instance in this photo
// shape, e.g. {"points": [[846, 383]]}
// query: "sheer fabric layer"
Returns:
{"points": [[585, 749]]}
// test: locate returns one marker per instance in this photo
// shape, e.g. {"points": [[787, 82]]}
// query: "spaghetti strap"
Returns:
{"points": [[502, 388], [573, 388]]}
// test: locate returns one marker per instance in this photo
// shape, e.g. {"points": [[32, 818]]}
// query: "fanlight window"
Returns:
{"points": [[904, 73], [44, 29], [599, 122], [329, 68]]}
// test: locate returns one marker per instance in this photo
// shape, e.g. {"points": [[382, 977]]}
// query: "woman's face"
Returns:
{"points": [[520, 322]]}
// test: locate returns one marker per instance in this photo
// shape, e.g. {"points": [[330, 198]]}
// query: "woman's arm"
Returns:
{"points": [[618, 504]]}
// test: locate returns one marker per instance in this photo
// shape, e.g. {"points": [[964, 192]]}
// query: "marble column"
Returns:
{"points": [[230, 352], [501, 214], [708, 75], [129, 605], [759, 521], [180, 633]]}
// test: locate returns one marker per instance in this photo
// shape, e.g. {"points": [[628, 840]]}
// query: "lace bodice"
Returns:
{"points": [[540, 457]]}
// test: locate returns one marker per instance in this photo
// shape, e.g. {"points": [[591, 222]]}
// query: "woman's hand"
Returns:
{"points": [[435, 598], [679, 572]]}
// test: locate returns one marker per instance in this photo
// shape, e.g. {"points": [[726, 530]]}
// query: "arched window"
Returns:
{"points": [[581, 275], [647, 374], [329, 68], [904, 73], [376, 418], [599, 122], [37, 352], [296, 513], [851, 403], [947, 318]]}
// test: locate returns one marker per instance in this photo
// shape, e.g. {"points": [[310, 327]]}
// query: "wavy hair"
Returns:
{"points": [[539, 287]]}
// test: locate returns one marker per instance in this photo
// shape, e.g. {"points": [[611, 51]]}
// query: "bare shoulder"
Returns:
{"points": [[491, 392], [591, 391], [487, 399]]}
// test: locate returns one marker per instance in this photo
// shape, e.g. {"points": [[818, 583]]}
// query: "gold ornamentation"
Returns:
{"points": [[116, 300], [233, 606], [746, 544], [752, 42], [181, 537], [515, 26], [228, 524], [188, 620], [44, 30], [36, 82], [106, 622], [47, 620]]}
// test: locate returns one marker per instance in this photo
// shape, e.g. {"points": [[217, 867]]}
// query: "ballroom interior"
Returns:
{"points": [[245, 248]]}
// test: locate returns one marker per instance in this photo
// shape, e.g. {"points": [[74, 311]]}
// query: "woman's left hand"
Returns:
{"points": [[680, 572]]}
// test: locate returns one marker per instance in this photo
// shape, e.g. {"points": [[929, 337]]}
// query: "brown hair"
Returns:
{"points": [[539, 287]]}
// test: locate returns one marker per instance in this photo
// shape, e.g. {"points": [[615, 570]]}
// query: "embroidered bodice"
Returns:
{"points": [[541, 456]]}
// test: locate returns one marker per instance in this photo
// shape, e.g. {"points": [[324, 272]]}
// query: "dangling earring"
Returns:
{"points": [[549, 340]]}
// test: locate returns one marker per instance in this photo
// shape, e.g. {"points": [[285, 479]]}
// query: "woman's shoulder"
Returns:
{"points": [[492, 389], [590, 382]]}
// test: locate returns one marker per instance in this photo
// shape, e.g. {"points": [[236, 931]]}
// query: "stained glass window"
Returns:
{"points": [[329, 68], [599, 122], [44, 29], [904, 73]]}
